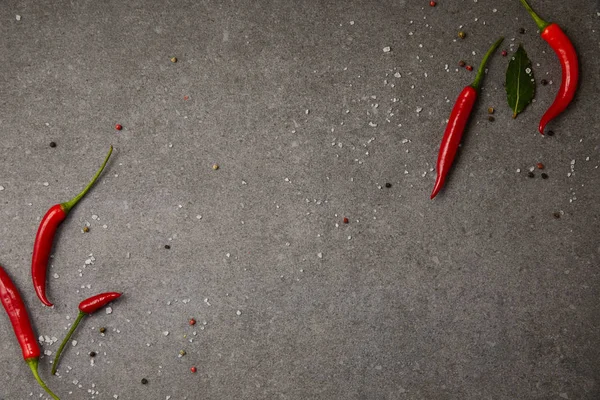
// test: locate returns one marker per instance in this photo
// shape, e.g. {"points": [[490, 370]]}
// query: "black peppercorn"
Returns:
{"points": [[52, 144], [388, 185], [144, 381], [167, 246], [530, 174]]}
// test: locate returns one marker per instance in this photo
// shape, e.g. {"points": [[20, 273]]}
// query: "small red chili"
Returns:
{"points": [[458, 121], [17, 313], [469, 68], [45, 236], [193, 369], [562, 46], [118, 127], [87, 306]]}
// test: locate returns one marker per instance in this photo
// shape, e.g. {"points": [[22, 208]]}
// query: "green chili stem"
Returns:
{"points": [[538, 21], [33, 364], [481, 71], [66, 206], [64, 342]]}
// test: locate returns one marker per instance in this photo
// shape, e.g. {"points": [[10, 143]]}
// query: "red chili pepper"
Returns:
{"points": [[45, 236], [457, 122], [562, 46], [17, 313], [87, 306]]}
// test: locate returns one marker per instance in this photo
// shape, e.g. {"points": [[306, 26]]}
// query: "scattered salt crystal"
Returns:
{"points": [[166, 333], [419, 109], [45, 183], [55, 275], [74, 343], [109, 310], [18, 17], [238, 312], [387, 49], [198, 216], [1, 187], [320, 255]]}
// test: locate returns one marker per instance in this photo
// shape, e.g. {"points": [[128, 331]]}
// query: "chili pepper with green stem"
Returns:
{"points": [[45, 236], [17, 313], [87, 306], [562, 46], [458, 121]]}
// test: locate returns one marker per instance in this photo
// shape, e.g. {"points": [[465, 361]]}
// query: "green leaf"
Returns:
{"points": [[520, 85]]}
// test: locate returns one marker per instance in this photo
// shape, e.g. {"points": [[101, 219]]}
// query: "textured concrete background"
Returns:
{"points": [[479, 294]]}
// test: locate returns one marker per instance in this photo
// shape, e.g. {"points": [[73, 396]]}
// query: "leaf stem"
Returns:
{"points": [[66, 206], [33, 364], [538, 21], [66, 339], [481, 70]]}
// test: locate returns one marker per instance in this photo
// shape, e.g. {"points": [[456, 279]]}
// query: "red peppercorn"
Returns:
{"points": [[504, 53], [346, 220], [193, 369], [540, 165], [432, 3], [469, 68], [461, 63], [118, 127], [192, 321]]}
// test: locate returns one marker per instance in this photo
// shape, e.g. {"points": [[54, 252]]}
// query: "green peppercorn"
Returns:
{"points": [[491, 119], [462, 35], [102, 330]]}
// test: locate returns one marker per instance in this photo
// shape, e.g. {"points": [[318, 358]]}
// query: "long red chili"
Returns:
{"points": [[458, 121], [87, 306], [17, 313], [45, 236], [562, 46]]}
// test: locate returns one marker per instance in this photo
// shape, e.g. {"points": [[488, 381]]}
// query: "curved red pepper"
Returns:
{"points": [[44, 238], [562, 46], [87, 306], [457, 123], [17, 313]]}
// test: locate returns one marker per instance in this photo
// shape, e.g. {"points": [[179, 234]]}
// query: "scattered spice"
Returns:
{"points": [[462, 34], [550, 133], [144, 381], [193, 369], [491, 119], [192, 321], [215, 167], [556, 215], [182, 353], [52, 144], [186, 97], [469, 68], [118, 127], [173, 59], [432, 3], [544, 82], [388, 185], [86, 229], [168, 247], [530, 174], [92, 354], [102, 330], [504, 53], [521, 30], [490, 110], [461, 63], [544, 175], [540, 165], [346, 220]]}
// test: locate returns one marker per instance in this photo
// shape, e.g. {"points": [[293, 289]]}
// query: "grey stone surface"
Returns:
{"points": [[479, 294]]}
